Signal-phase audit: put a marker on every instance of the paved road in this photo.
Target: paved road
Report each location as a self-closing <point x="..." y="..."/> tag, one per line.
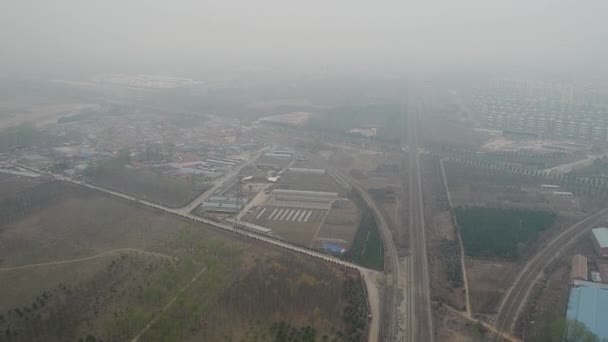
<point x="515" y="297"/>
<point x="421" y="317"/>
<point x="579" y="164"/>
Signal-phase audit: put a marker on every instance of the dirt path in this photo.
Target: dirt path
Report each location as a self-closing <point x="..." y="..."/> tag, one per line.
<point x="101" y="255"/>
<point x="462" y="260"/>
<point x="373" y="281"/>
<point x="484" y="324"/>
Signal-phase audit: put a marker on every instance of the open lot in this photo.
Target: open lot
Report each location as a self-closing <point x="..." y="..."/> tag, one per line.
<point x="349" y="159"/>
<point x="488" y="279"/>
<point x="454" y="328"/>
<point x="81" y="265"/>
<point x="148" y="185"/>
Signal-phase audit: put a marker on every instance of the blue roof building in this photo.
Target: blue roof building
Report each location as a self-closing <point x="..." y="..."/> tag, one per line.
<point x="588" y="304"/>
<point x="333" y="248"/>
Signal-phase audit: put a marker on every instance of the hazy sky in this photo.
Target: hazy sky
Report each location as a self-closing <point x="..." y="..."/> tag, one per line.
<point x="150" y="34"/>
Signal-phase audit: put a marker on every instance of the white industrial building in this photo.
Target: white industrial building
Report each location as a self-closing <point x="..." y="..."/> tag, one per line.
<point x="303" y="199"/>
<point x="600" y="241"/>
<point x="222" y="204"/>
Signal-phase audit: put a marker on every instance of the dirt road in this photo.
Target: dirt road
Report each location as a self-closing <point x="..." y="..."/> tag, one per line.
<point x="92" y="257"/>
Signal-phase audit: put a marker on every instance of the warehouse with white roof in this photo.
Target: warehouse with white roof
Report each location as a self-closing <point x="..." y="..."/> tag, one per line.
<point x="600" y="241"/>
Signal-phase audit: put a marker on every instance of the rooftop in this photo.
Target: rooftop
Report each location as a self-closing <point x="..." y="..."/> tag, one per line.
<point x="333" y="248"/>
<point x="588" y="304"/>
<point x="601" y="235"/>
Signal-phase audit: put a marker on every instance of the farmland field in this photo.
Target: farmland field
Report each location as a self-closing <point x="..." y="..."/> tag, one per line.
<point x="497" y="232"/>
<point x="79" y="265"/>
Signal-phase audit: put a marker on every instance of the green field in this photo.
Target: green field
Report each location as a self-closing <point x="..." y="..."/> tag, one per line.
<point x="500" y="232"/>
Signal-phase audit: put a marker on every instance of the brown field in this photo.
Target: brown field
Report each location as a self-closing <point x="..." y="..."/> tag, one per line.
<point x="356" y="159"/>
<point x="454" y="328"/>
<point x="487" y="282"/>
<point x="84" y="264"/>
<point x="148" y="185"/>
<point x="12" y="185"/>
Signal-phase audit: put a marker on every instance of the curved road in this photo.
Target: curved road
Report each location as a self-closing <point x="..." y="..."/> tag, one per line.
<point x="518" y="292"/>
